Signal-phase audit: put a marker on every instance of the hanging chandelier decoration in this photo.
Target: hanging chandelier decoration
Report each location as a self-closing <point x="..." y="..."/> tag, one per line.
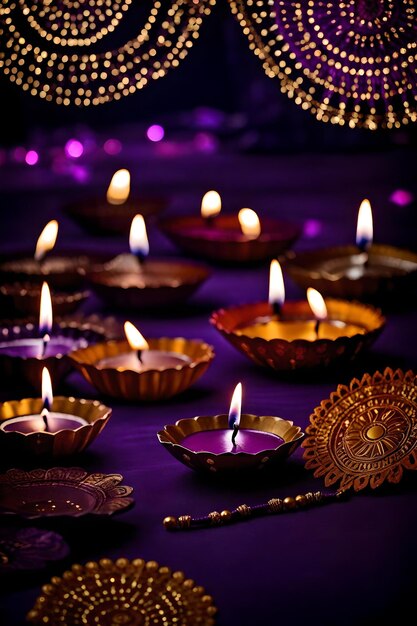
<point x="352" y="62"/>
<point x="67" y="51"/>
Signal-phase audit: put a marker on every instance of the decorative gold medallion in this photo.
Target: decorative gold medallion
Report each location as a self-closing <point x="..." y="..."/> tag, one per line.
<point x="366" y="432"/>
<point x="132" y="593"/>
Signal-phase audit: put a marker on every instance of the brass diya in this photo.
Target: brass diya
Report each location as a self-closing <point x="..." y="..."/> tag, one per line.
<point x="27" y="368"/>
<point x="23" y="299"/>
<point x="363" y="435"/>
<point x="388" y="275"/>
<point x="18" y="445"/>
<point x="62" y="492"/>
<point x="172" y="438"/>
<point x="244" y="327"/>
<point x="99" y="217"/>
<point x="135" y="593"/>
<point x="149" y="384"/>
<point x="225" y="243"/>
<point x="124" y="284"/>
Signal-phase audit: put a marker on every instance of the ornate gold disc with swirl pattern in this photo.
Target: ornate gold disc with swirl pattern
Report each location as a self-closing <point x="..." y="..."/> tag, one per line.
<point x="366" y="432"/>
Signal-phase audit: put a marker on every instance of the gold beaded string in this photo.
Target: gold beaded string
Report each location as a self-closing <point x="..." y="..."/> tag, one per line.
<point x="92" y="79"/>
<point x="355" y="86"/>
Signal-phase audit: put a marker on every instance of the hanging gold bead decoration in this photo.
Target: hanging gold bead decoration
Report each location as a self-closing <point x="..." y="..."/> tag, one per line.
<point x="55" y="49"/>
<point x="352" y="62"/>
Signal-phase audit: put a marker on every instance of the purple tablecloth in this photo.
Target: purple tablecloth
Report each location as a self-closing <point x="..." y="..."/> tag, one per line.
<point x="347" y="564"/>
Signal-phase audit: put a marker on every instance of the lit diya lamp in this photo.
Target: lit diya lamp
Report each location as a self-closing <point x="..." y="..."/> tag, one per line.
<point x="136" y="281"/>
<point x="49" y="426"/>
<point x="230" y="442"/>
<point x="140" y="369"/>
<point x="113" y="213"/>
<point x="241" y="238"/>
<point x="301" y="335"/>
<point x="63" y="272"/>
<point x="365" y="271"/>
<point x="26" y="348"/>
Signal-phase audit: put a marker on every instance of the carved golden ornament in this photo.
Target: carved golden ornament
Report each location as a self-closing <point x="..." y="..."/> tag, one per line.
<point x="366" y="432"/>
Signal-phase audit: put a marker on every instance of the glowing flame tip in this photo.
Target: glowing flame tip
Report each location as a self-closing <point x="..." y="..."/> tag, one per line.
<point x="276" y="284"/>
<point x="47" y="395"/>
<point x="364" y="229"/>
<point x="249" y="223"/>
<point x="235" y="406"/>
<point x="45" y="313"/>
<point x="138" y="238"/>
<point x="135" y="339"/>
<point x="211" y="204"/>
<point x="46" y="240"/>
<point x="317" y="303"/>
<point x="119" y="188"/>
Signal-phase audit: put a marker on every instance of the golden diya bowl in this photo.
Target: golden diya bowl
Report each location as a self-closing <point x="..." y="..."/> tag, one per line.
<point x="224" y="241"/>
<point x="20" y="346"/>
<point x="134" y="593"/>
<point x="339" y="272"/>
<point x="20" y="445"/>
<point x="286" y="440"/>
<point x="99" y="217"/>
<point x="351" y="327"/>
<point x="157" y="283"/>
<point x="151" y="384"/>
<point x="24" y="299"/>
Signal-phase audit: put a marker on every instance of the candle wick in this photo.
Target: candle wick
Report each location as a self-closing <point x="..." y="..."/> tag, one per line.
<point x="44" y="416"/>
<point x="139" y="353"/>
<point x="210" y="219"/>
<point x="234" y="434"/>
<point x="277" y="308"/>
<point x="141" y="257"/>
<point x="45" y="340"/>
<point x="317" y="328"/>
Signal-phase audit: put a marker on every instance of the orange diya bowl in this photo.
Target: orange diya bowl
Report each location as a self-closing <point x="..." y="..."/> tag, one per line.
<point x="99" y="365"/>
<point x="274" y="343"/>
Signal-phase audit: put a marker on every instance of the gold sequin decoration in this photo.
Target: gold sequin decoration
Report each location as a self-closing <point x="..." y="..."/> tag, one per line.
<point x="350" y="63"/>
<point x="46" y="47"/>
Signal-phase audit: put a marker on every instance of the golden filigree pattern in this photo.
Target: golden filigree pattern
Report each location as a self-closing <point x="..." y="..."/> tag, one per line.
<point x="45" y="47"/>
<point x="366" y="432"/>
<point x="350" y="62"/>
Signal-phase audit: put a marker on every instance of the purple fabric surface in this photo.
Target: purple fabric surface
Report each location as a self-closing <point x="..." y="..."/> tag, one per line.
<point x="345" y="564"/>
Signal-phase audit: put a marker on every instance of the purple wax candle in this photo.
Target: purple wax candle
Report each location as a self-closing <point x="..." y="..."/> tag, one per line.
<point x="32" y="347"/>
<point x="219" y="441"/>
<point x="27" y="424"/>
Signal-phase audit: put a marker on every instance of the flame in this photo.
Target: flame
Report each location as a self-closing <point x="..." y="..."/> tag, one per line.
<point x="235" y="406"/>
<point x="46" y="240"/>
<point x="276" y="284"/>
<point x="119" y="188"/>
<point x="249" y="223"/>
<point x="45" y="313"/>
<point x="211" y="204"/>
<point x="47" y="395"/>
<point x="364" y="229"/>
<point x="317" y="303"/>
<point x="138" y="239"/>
<point x="136" y="340"/>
